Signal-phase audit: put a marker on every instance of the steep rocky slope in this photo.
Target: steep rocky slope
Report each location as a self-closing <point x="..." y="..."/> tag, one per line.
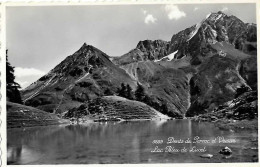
<point x="216" y="27"/>
<point x="217" y="56"/>
<point x="196" y="41"/>
<point x="163" y="85"/>
<point x="85" y="75"/>
<point x="239" y="113"/>
<point x="215" y="82"/>
<point x="248" y="70"/>
<point x="145" y="50"/>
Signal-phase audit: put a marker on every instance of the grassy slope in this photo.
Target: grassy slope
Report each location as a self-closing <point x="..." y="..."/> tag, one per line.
<point x="117" y="107"/>
<point x="129" y="109"/>
<point x="162" y="84"/>
<point x="230" y="50"/>
<point x="24" y="116"/>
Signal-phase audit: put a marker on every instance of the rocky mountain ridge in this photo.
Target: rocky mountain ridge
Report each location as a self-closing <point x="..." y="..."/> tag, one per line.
<point x="85" y="75"/>
<point x="197" y="40"/>
<point x="145" y="50"/>
<point x="198" y="70"/>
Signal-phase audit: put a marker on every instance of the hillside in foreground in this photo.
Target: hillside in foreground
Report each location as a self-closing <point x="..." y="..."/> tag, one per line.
<point x="24" y="116"/>
<point x="116" y="108"/>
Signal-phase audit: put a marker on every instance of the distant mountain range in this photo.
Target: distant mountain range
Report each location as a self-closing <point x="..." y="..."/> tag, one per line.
<point x="198" y="70"/>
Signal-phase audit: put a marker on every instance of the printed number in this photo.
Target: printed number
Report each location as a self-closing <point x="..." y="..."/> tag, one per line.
<point x="157" y="141"/>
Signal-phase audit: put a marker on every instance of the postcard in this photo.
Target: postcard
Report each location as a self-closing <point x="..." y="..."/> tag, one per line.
<point x="129" y="83"/>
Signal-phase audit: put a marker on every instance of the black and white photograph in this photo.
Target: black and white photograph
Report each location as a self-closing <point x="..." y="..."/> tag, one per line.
<point x="158" y="83"/>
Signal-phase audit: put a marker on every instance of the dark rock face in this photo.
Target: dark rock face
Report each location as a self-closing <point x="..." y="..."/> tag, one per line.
<point x="211" y="87"/>
<point x="145" y="50"/>
<point x="248" y="70"/>
<point x="243" y="107"/>
<point x="217" y="27"/>
<point x="153" y="49"/>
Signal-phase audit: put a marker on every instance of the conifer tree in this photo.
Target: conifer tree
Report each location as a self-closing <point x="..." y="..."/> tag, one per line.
<point x="139" y="92"/>
<point x="122" y="91"/>
<point x="129" y="92"/>
<point x="12" y="88"/>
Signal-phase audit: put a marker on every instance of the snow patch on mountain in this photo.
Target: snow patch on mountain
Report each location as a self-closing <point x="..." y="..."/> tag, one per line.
<point x="170" y="57"/>
<point x="195" y="31"/>
<point x="214" y="32"/>
<point x="198" y="25"/>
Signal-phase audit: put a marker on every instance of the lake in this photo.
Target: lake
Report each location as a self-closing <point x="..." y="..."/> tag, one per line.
<point x="129" y="142"/>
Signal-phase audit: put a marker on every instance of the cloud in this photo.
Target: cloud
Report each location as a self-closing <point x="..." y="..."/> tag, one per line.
<point x="195" y="9"/>
<point x="144" y="11"/>
<point x="224" y="9"/>
<point x="25" y="72"/>
<point x="149" y="19"/>
<point x="174" y="12"/>
<point x="23" y="84"/>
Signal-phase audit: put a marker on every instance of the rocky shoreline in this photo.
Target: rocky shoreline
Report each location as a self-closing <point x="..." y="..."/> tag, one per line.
<point x="237" y="114"/>
<point x="230" y="124"/>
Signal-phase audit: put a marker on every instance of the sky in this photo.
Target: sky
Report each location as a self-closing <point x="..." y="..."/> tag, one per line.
<point x="39" y="37"/>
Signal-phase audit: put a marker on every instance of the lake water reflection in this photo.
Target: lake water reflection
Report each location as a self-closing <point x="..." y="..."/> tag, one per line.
<point x="124" y="142"/>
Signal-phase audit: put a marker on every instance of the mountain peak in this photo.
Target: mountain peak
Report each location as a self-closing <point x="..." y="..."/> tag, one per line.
<point x="84" y="44"/>
<point x="144" y="42"/>
<point x="215" y="16"/>
<point x="148" y="44"/>
<point x="220" y="12"/>
<point x="85" y="47"/>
